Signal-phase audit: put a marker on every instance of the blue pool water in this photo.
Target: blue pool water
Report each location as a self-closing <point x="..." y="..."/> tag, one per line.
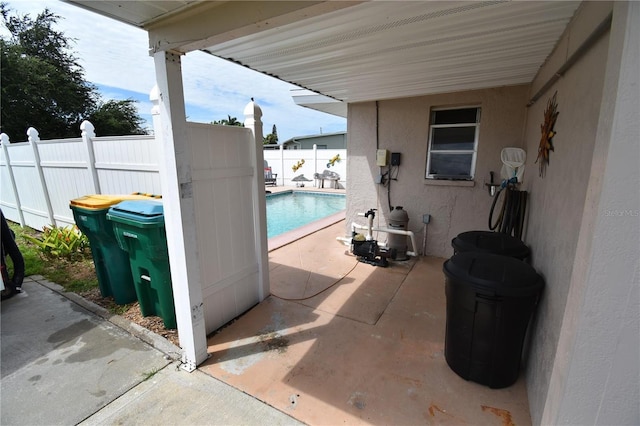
<point x="287" y="211"/>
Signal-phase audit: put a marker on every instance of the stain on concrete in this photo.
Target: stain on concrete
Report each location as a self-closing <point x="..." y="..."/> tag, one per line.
<point x="84" y="341"/>
<point x="35" y="378"/>
<point x="99" y="394"/>
<point x="244" y="353"/>
<point x="70" y="333"/>
<point x="41" y="361"/>
<point x="434" y="409"/>
<point x="274" y="342"/>
<point x="293" y="400"/>
<point x="358" y="400"/>
<point x="504" y="415"/>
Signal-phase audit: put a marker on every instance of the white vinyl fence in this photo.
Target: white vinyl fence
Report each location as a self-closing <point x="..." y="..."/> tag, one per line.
<point x="282" y="161"/>
<point x="39" y="178"/>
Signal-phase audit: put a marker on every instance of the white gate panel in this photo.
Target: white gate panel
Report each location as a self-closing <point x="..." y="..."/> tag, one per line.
<point x="222" y="176"/>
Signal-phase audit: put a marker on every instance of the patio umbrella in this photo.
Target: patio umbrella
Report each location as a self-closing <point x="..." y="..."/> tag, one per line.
<point x="300" y="179"/>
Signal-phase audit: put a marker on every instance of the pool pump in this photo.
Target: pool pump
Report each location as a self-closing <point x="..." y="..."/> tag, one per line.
<point x="368" y="251"/>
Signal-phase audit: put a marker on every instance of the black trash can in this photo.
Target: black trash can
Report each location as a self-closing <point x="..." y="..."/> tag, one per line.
<point x="490" y="301"/>
<point x="490" y="242"/>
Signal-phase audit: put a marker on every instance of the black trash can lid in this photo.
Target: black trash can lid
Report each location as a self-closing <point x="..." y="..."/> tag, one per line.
<point x="491" y="242"/>
<point x="493" y="274"/>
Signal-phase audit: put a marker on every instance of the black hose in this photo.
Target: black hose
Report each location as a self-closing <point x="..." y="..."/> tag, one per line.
<point x="512" y="213"/>
<point x="524" y="212"/>
<point x="493" y="205"/>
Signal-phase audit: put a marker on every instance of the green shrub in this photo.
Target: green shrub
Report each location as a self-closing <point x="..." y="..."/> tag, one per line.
<point x="56" y="242"/>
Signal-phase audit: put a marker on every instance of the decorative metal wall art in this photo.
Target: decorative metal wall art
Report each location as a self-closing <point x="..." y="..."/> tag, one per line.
<point x="546" y="143"/>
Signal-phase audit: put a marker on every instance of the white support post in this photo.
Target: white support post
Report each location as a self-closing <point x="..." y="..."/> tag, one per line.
<point x="315" y="164"/>
<point x="4" y="138"/>
<point x="34" y="138"/>
<point x="88" y="133"/>
<point x="282" y="163"/>
<point x="253" y="121"/>
<point x="170" y="128"/>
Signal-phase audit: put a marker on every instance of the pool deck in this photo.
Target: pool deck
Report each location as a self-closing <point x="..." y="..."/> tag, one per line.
<point x="291" y="236"/>
<point x="311" y="188"/>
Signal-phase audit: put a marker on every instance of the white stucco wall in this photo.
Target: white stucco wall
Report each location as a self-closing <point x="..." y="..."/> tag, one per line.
<point x="595" y="374"/>
<point x="403" y="126"/>
<point x="557" y="201"/>
<point x="560" y="196"/>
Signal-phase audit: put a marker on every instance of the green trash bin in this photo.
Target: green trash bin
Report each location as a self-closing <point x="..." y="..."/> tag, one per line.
<point x="111" y="262"/>
<point x="139" y="229"/>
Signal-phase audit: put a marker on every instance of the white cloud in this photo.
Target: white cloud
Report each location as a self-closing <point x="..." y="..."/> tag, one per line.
<point x="115" y="54"/>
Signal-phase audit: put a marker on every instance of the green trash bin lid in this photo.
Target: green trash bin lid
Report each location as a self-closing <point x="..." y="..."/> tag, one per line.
<point x="138" y="212"/>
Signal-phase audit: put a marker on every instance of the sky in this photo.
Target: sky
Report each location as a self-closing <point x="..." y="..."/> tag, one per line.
<point x="115" y="58"/>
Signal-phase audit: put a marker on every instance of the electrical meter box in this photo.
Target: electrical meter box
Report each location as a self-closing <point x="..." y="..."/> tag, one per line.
<point x="382" y="157"/>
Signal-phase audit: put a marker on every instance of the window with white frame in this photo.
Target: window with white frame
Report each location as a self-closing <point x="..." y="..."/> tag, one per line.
<point x="453" y="143"/>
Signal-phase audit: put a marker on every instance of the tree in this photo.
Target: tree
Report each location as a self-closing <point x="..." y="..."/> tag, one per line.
<point x="272" y="138"/>
<point x="229" y="121"/>
<point x="42" y="83"/>
<point x="116" y="118"/>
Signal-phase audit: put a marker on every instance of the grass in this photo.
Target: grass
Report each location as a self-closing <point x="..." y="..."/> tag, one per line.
<point x="149" y="374"/>
<point x="78" y="276"/>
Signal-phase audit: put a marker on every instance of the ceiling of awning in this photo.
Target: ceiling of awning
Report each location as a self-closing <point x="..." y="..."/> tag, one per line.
<point x="355" y="51"/>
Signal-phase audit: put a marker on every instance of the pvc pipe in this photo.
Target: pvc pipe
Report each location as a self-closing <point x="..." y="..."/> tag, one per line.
<point x="400" y="232"/>
<point x="410" y="234"/>
<point x="410" y="253"/>
<point x="346" y="241"/>
<point x="370" y="228"/>
<point x="424" y="241"/>
<point x="355" y="226"/>
<point x="368" y="237"/>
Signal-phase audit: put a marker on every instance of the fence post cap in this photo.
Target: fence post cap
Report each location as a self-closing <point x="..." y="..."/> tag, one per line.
<point x="88" y="129"/>
<point x="252" y="110"/>
<point x="33" y="134"/>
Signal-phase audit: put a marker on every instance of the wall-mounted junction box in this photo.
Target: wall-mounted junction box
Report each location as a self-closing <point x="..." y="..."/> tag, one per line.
<point x="426" y="218"/>
<point x="395" y="158"/>
<point x="382" y="157"/>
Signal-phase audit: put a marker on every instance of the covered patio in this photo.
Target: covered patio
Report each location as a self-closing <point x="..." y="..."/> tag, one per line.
<point x="344" y="342"/>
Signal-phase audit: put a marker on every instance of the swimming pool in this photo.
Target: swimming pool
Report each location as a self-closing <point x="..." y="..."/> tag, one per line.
<point x="289" y="210"/>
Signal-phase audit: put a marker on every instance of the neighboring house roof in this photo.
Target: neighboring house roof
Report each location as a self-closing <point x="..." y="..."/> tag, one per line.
<point x="360" y="51"/>
<point x="321" y="135"/>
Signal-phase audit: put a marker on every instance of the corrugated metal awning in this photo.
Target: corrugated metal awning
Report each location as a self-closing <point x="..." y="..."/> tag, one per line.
<point x="353" y="51"/>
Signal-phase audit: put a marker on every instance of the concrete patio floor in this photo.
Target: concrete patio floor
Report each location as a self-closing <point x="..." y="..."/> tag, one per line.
<point x="343" y="342"/>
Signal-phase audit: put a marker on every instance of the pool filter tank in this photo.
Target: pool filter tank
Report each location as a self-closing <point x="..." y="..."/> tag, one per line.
<point x="398" y="219"/>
